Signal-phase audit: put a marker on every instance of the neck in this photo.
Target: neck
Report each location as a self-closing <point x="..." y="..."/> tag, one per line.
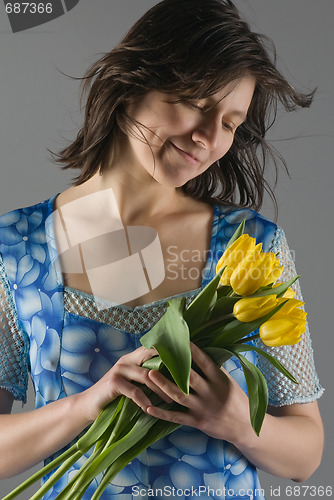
<point x="137" y="195"/>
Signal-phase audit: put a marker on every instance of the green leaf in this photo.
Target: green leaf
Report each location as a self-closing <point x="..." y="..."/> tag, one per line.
<point x="170" y="337"/>
<point x="257" y="392"/>
<point x="207" y="333"/>
<point x="223" y="306"/>
<point x="197" y="311"/>
<point x="153" y="363"/>
<point x="218" y="354"/>
<point x="237" y="233"/>
<point x="279" y="290"/>
<point x="258" y="411"/>
<point x="140" y="428"/>
<point x="256" y="383"/>
<point x="224" y="291"/>
<point x="236" y="348"/>
<point x="158" y="431"/>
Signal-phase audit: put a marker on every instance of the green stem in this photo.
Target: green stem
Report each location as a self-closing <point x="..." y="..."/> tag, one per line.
<point x="248" y="339"/>
<point x="159" y="430"/>
<point x="120" y="426"/>
<point x="56" y="476"/>
<point x="101" y="441"/>
<point x="100" y="425"/>
<point x="94" y="433"/>
<point x="110" y="454"/>
<point x="129" y="412"/>
<point x="70" y="456"/>
<point x="67" y="492"/>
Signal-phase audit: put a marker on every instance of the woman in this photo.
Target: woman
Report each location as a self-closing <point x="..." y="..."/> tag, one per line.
<point x="174" y="141"/>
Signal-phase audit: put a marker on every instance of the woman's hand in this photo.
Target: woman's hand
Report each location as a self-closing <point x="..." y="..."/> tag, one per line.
<point x="121" y="379"/>
<point x="216" y="403"/>
<point x="291" y="438"/>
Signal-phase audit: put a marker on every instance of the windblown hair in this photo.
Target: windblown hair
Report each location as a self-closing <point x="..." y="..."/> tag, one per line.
<point x="190" y="50"/>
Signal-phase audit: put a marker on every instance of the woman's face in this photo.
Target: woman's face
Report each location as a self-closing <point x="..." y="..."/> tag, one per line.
<point x="186" y="138"/>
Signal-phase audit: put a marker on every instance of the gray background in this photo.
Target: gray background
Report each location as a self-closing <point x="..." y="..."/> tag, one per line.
<point x="39" y="107"/>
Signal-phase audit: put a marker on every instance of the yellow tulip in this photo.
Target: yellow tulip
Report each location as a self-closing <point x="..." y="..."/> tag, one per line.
<point x="286" y="326"/>
<point x="255" y="270"/>
<point x="236" y="252"/>
<point x="233" y="255"/>
<point x="252" y="308"/>
<point x="276" y="269"/>
<point x="290" y="309"/>
<point x="277" y="332"/>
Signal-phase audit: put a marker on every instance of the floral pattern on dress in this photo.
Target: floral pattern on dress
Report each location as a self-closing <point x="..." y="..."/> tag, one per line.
<point x="39" y="309"/>
<point x="69" y="353"/>
<point x="89" y="349"/>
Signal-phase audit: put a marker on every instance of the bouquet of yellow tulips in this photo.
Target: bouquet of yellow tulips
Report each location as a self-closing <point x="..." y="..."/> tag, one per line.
<point x="223" y="319"/>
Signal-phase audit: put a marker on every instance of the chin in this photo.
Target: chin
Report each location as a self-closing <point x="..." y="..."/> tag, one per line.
<point x="176" y="181"/>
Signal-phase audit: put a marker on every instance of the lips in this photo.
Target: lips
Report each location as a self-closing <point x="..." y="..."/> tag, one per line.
<point x="188" y="156"/>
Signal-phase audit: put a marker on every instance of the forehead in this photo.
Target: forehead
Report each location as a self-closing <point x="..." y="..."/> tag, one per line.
<point x="239" y="87"/>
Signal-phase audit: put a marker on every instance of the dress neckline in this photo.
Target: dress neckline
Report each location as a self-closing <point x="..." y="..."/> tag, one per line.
<point x="111" y="305"/>
<point x="208" y="270"/>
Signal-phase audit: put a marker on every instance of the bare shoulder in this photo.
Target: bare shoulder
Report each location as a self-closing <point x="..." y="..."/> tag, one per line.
<point x="73" y="193"/>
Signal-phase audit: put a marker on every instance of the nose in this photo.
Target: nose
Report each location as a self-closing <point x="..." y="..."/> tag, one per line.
<point x="207" y="133"/>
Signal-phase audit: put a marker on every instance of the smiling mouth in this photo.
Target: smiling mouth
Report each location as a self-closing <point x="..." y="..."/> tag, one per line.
<point x="187" y="156"/>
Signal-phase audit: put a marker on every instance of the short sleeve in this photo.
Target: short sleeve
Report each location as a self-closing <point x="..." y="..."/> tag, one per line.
<point x="14" y="344"/>
<point x="298" y="358"/>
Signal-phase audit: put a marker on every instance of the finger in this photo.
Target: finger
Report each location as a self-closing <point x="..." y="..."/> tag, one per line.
<point x="133" y="373"/>
<point x="204" y="362"/>
<point x="197" y="382"/>
<point x="135" y="393"/>
<point x="177" y="417"/>
<point x="170" y="389"/>
<point x="151" y="385"/>
<point x="140" y="355"/>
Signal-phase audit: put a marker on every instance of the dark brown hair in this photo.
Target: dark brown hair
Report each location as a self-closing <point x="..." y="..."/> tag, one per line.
<point x="190" y="50"/>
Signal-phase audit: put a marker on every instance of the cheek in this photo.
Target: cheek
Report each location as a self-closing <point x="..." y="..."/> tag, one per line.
<point x="225" y="146"/>
<point x="178" y="121"/>
<point x="229" y="144"/>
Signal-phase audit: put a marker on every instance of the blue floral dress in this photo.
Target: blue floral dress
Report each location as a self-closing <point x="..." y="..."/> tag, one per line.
<point x="55" y="333"/>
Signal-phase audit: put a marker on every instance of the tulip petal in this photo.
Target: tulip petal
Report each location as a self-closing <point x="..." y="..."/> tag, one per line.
<point x="277" y="332"/>
<point x="252" y="308"/>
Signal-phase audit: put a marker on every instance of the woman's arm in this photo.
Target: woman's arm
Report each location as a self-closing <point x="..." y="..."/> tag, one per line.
<point x="30" y="437"/>
<point x="291" y="439"/>
<point x="295" y="432"/>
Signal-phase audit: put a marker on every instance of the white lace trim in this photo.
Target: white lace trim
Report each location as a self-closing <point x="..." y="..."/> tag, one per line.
<point x="14" y="344"/>
<point x="136" y="321"/>
<point x="298" y="359"/>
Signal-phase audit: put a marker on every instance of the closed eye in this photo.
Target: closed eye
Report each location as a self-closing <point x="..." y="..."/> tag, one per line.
<point x="229" y="126"/>
<point x="200" y="106"/>
<point x="196" y="105"/>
